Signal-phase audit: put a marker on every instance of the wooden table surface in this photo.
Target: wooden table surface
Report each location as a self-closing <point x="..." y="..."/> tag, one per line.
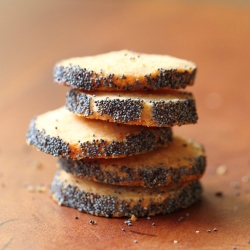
<point x="36" y="34"/>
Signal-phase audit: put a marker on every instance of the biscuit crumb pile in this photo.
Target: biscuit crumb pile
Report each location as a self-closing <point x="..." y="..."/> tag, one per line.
<point x="113" y="139"/>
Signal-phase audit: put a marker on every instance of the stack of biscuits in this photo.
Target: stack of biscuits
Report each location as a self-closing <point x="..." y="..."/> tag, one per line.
<point x="113" y="139"/>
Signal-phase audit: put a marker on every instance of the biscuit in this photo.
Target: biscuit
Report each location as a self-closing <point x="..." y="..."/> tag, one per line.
<point x="116" y="201"/>
<point x="182" y="161"/>
<point x="125" y="70"/>
<point x="66" y="135"/>
<point x="154" y="109"/>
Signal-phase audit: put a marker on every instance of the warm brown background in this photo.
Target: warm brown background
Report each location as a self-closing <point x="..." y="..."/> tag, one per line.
<point x="215" y="35"/>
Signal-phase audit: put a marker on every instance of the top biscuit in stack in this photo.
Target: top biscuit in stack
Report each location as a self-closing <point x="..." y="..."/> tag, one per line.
<point x="125" y="70"/>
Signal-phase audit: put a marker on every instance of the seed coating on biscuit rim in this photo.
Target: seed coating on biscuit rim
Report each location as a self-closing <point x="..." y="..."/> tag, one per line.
<point x="74" y="137"/>
<point x="174" y="112"/>
<point x="158" y="109"/>
<point x="132" y="144"/>
<point x="146" y="176"/>
<point x="50" y="145"/>
<point x="112" y="201"/>
<point x="121" y="110"/>
<point x="161" y="167"/>
<point x="130" y="71"/>
<point x="75" y="100"/>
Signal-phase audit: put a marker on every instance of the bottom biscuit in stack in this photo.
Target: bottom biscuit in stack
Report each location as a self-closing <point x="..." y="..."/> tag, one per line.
<point x="158" y="182"/>
<point x="117" y="201"/>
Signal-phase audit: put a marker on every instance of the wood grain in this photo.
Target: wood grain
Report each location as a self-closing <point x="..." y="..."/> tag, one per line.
<point x="34" y="36"/>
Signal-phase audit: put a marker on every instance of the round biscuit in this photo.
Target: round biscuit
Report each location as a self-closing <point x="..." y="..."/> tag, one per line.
<point x="182" y="161"/>
<point x="125" y="70"/>
<point x="115" y="201"/>
<point x="63" y="134"/>
<point x="154" y="109"/>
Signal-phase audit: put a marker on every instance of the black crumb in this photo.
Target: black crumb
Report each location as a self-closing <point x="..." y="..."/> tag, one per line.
<point x="128" y="222"/>
<point x="180" y="219"/>
<point x="76" y="218"/>
<point x="219" y="194"/>
<point x="92" y="222"/>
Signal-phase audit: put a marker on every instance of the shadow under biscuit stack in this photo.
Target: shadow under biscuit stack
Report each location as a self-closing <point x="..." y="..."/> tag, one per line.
<point x="113" y="140"/>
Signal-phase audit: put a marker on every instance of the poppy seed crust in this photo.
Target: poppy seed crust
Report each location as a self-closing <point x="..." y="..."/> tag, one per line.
<point x="72" y="137"/>
<point x="174" y="112"/>
<point x="161" y="167"/>
<point x="48" y="144"/>
<point x="116" y="71"/>
<point x="112" y="201"/>
<point x="158" y="109"/>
